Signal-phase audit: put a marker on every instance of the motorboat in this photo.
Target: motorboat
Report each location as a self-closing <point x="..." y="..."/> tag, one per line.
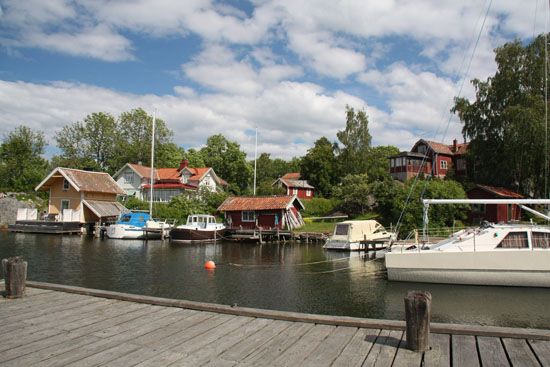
<point x="354" y="235"/>
<point x="198" y="228"/>
<point x="137" y="225"/>
<point x="510" y="254"/>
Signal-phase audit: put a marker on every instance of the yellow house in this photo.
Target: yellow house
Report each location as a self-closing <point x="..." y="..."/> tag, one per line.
<point x="81" y="196"/>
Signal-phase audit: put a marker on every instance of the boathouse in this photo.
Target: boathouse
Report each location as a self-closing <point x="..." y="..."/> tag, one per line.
<point x="293" y="185"/>
<point x="81" y="196"/>
<point x="267" y="212"/>
<point x="495" y="213"/>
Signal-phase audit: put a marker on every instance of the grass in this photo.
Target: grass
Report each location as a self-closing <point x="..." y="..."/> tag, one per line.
<point x="318" y="227"/>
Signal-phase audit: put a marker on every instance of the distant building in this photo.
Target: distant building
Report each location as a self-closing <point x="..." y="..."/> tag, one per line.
<point x="494" y="213"/>
<point x="81" y="196"/>
<point x="266" y="212"/>
<point x="430" y="159"/>
<point x="293" y="185"/>
<point x="135" y="180"/>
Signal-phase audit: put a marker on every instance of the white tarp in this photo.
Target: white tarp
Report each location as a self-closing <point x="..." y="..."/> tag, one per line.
<point x="26" y="214"/>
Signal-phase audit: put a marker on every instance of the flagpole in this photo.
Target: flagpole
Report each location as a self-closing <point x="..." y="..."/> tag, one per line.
<point x="255" y="157"/>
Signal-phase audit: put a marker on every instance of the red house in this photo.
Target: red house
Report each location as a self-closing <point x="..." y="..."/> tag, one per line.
<point x="267" y="212"/>
<point x="429" y="158"/>
<point x="294" y="186"/>
<point x="495" y="213"/>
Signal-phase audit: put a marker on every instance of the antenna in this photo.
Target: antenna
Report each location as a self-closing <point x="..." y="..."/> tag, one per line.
<point x="255" y="156"/>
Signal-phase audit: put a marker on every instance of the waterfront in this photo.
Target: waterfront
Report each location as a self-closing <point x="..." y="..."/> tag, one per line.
<point x="290" y="277"/>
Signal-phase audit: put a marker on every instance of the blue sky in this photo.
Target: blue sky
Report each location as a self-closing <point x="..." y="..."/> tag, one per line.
<point x="288" y="68"/>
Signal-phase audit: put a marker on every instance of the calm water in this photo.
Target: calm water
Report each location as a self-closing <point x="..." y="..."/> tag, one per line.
<point x="297" y="277"/>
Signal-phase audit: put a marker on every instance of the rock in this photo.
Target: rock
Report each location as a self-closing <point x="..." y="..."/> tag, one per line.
<point x="8" y="209"/>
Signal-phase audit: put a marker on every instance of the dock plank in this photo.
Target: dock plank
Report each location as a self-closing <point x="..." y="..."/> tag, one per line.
<point x="519" y="352"/>
<point x="491" y="351"/>
<point x="439" y="354"/>
<point x="330" y="348"/>
<point x="406" y="357"/>
<point x="464" y="351"/>
<point x="357" y="349"/>
<point x="542" y="350"/>
<point x="385" y="348"/>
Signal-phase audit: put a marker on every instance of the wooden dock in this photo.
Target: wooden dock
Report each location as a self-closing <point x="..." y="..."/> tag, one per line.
<point x="57" y="325"/>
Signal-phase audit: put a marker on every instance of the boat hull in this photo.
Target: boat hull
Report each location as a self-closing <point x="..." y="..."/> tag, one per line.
<point x="354" y="246"/>
<point x="507" y="267"/>
<point x="195" y="235"/>
<point x="130" y="233"/>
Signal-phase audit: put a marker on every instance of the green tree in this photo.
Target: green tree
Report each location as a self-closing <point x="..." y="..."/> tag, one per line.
<point x="228" y="161"/>
<point x="355" y="142"/>
<point x="318" y="167"/>
<point x="377" y="162"/>
<point x="505" y="123"/>
<point x="87" y="144"/>
<point x="133" y="140"/>
<point x="194" y="157"/>
<point x="355" y="195"/>
<point x="21" y="164"/>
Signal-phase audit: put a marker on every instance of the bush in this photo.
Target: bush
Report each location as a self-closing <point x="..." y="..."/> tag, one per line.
<point x="319" y="207"/>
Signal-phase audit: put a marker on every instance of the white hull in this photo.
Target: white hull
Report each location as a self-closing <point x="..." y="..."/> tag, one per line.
<point x="505" y="267"/>
<point x="350" y="246"/>
<point x="125" y="232"/>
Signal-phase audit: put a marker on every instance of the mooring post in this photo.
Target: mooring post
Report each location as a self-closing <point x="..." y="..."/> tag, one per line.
<point x="15" y="276"/>
<point x="418" y="306"/>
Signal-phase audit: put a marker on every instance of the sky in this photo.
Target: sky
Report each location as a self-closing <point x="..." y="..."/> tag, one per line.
<point x="286" y="68"/>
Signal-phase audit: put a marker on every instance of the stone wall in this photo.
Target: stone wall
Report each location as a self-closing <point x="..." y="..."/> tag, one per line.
<point x="8" y="209"/>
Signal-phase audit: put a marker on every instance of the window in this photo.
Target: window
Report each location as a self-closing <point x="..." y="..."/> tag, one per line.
<point x="248" y="216"/>
<point x="478" y="208"/>
<point x="392" y="162"/>
<point x="422" y="149"/>
<point x="341" y="230"/>
<point x="128" y="177"/>
<point x="308" y="192"/>
<point x="541" y="240"/>
<point x="65" y="204"/>
<point x="443" y="164"/>
<point x="461" y="164"/>
<point x="295" y="191"/>
<point x="65" y="184"/>
<point x="514" y="240"/>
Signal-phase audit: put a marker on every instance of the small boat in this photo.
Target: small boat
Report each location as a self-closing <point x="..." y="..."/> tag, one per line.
<point x="492" y="254"/>
<point x="136" y="225"/>
<point x="354" y="235"/>
<point x="199" y="228"/>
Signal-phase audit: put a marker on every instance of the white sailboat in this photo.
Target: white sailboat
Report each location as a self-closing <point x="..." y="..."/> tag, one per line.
<point x="492" y="254"/>
<point x="138" y="225"/>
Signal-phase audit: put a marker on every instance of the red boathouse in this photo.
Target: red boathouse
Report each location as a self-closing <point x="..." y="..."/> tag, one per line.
<point x="495" y="213"/>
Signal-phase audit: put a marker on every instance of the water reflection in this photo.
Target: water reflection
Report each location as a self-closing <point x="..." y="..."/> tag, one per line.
<point x="292" y="277"/>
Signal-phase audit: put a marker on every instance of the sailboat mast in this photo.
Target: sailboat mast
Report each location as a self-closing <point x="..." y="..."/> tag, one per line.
<point x="255" y="158"/>
<point x="152" y="164"/>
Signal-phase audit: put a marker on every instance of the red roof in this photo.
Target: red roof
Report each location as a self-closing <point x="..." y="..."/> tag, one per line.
<point x="291" y="176"/>
<point x="170" y="186"/>
<point x="501" y="191"/>
<point x="241" y="203"/>
<point x="441" y="148"/>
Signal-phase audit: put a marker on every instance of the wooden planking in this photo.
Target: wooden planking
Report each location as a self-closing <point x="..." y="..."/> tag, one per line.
<point x="248" y="345"/>
<point x="406" y="357"/>
<point x="491" y="351"/>
<point x="331" y="347"/>
<point x="300" y="350"/>
<point x="268" y="352"/>
<point x="439" y="354"/>
<point x="464" y="351"/>
<point x="165" y="359"/>
<point x="385" y="348"/>
<point x="519" y="352"/>
<point x="542" y="350"/>
<point x="357" y="349"/>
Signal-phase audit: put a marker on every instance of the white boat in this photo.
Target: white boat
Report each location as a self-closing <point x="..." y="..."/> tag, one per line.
<point x="137" y="225"/>
<point x="198" y="228"/>
<point x="354" y="235"/>
<point x="492" y="254"/>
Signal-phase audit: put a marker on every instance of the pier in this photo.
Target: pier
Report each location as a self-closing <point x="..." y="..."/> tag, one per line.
<point x="58" y="325"/>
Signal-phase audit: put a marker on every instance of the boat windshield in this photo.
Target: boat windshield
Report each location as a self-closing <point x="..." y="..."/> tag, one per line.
<point x="125" y="218"/>
<point x="341" y="230"/>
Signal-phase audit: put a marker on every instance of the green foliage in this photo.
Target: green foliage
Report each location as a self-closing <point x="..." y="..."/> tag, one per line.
<point x="212" y="200"/>
<point x="377" y="162"/>
<point x="21" y="164"/>
<point x="266" y="188"/>
<point x="228" y="161"/>
<point x="355" y="195"/>
<point x="506" y="121"/>
<point x="194" y="157"/>
<point x="319" y="207"/>
<point x="355" y="140"/>
<point x="319" y="167"/>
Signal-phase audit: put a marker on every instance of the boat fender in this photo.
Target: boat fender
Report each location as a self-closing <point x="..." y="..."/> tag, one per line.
<point x="495" y="235"/>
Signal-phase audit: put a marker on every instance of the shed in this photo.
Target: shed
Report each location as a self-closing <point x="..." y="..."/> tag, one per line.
<point x="267" y="212"/>
<point x="495" y="213"/>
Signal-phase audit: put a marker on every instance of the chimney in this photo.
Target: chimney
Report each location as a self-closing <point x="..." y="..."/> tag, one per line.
<point x="184" y="163"/>
<point x="454" y="146"/>
<point x="139" y="162"/>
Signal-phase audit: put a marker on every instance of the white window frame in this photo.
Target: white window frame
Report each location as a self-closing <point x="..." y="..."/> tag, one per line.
<point x="443" y="164"/>
<point x="66" y="185"/>
<point x="308" y="192"/>
<point x="247" y="218"/>
<point x="294" y="191"/>
<point x="61" y="206"/>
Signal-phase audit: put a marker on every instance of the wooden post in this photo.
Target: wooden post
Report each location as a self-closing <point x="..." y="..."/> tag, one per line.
<point x="15" y="276"/>
<point x="418" y="306"/>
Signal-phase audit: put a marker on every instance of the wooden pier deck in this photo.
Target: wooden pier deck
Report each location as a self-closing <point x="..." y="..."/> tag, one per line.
<point x="70" y="326"/>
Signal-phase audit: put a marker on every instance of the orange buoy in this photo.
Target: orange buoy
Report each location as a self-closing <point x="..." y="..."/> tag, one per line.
<point x="210" y="265"/>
